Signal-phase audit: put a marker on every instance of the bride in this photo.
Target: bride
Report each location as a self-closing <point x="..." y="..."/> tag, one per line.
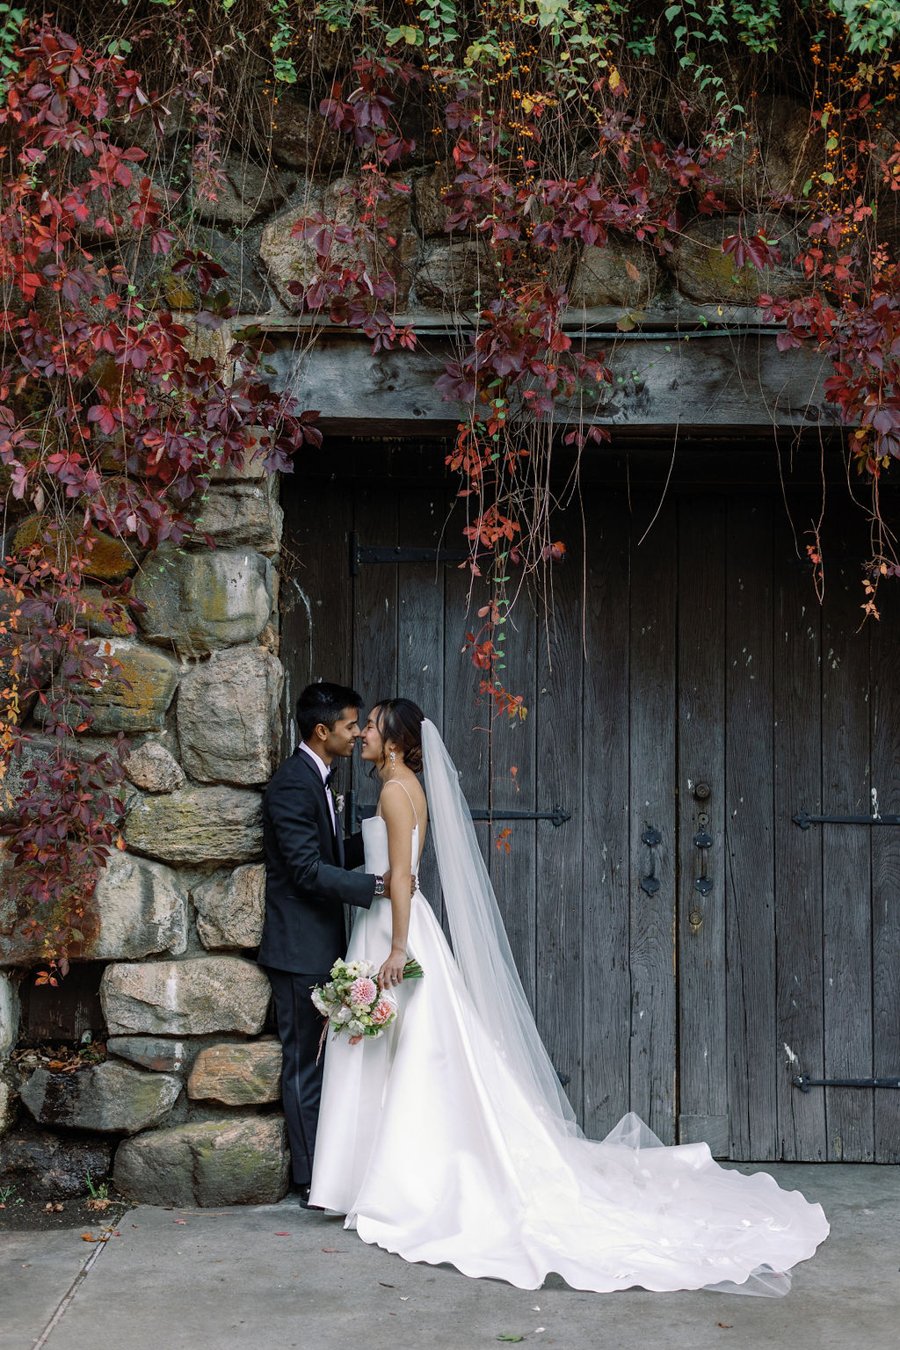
<point x="449" y="1138"/>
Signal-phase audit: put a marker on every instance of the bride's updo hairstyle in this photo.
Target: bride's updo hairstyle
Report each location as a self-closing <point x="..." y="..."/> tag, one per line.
<point x="400" y="720"/>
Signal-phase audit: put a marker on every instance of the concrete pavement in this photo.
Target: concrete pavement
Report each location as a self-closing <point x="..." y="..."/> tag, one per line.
<point x="251" y="1278"/>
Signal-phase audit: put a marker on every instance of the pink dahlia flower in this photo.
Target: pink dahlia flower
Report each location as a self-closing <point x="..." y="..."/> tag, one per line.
<point x="363" y="992"/>
<point x="383" y="1012"/>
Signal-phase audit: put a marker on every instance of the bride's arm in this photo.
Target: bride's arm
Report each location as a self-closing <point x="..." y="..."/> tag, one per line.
<point x="398" y="817"/>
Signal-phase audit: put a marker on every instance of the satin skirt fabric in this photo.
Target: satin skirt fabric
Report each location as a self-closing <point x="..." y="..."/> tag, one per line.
<point x="432" y="1151"/>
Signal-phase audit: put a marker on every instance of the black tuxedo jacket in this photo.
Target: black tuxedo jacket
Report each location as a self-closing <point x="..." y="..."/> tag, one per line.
<point x="307" y="876"/>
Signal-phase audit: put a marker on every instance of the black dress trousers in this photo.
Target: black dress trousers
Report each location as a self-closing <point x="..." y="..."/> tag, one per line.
<point x="299" y="1030"/>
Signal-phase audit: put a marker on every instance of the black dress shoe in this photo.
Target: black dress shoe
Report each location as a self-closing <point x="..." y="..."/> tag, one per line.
<point x="302" y="1194"/>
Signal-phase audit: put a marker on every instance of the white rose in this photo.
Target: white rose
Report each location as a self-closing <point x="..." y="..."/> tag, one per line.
<point x="355" y="1028"/>
<point x="342" y="1016"/>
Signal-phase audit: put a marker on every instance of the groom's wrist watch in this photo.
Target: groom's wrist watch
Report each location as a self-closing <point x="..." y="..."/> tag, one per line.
<point x="379" y="886"/>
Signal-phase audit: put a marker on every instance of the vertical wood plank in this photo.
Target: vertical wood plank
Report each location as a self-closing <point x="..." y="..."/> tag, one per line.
<point x="375" y="612"/>
<point x="513" y="747"/>
<point x="846" y="856"/>
<point x="560" y="741"/>
<point x="316" y="628"/>
<point x="885" y="656"/>
<point x="420" y="619"/>
<point x="653" y="786"/>
<point x="703" y="1069"/>
<point x="605" y="805"/>
<point x="798" y="853"/>
<point x="750" y="897"/>
<point x="467" y="719"/>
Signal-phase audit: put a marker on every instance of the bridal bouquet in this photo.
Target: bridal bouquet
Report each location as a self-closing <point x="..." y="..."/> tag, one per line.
<point x="352" y="1003"/>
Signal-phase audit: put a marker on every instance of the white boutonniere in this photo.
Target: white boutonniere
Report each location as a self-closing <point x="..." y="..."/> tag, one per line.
<point x="338" y="799"/>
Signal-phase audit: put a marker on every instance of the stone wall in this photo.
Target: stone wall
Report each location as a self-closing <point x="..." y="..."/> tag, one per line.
<point x="184" y="1108"/>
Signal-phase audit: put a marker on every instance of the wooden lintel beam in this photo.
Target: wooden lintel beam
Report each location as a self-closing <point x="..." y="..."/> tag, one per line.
<point x="694" y="382"/>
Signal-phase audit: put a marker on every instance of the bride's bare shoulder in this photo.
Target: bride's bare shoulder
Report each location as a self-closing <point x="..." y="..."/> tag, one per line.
<point x="408" y="802"/>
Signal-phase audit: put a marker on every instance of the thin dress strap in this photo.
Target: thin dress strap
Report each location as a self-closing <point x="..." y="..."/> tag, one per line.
<point x="396" y="782"/>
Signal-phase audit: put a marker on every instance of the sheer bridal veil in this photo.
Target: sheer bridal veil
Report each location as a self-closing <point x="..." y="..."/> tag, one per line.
<point x="480" y="943"/>
<point x="486" y="963"/>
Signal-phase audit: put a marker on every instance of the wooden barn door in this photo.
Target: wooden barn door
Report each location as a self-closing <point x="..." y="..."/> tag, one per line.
<point x="689" y="950"/>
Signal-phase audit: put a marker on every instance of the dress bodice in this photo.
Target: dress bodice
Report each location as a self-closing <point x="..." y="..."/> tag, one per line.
<point x="375" y="843"/>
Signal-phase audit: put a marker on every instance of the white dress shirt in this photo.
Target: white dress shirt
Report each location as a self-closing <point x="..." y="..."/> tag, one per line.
<point x="324" y="770"/>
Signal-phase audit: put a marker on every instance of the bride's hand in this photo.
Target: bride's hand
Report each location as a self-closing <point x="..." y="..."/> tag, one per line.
<point x="391" y="973"/>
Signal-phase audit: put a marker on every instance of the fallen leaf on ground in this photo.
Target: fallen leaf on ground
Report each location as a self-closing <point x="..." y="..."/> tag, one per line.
<point x="386" y="1286"/>
<point x="282" y="1235"/>
<point x="179" y="1220"/>
<point x="726" y="1326"/>
<point x="96" y="1204"/>
<point x="509" y="1336"/>
<point x="332" y="1251"/>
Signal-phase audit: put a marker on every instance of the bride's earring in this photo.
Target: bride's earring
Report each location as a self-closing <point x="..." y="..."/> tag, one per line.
<point x="393" y="758"/>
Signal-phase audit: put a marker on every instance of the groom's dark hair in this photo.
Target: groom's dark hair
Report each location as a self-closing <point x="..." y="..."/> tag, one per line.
<point x="323" y="702"/>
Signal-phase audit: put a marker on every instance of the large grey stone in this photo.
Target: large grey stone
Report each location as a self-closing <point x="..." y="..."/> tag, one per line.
<point x="185" y="998"/>
<point x="456" y="277"/>
<point x="290" y="258"/>
<point x="141" y="910"/>
<point x="243" y="513"/>
<point x="162" y="1054"/>
<point x="251" y="465"/>
<point x="781" y="149"/>
<point x="110" y="1097"/>
<point x="231" y="907"/>
<point x="136" y="694"/>
<point x="9" y="1014"/>
<point x="244" y="1074"/>
<point x="620" y="273"/>
<point x="53" y="1165"/>
<point x="154" y="768"/>
<point x="237" y="1161"/>
<point x="199" y="602"/>
<point x="248" y="190"/>
<point x="196" y="825"/>
<point x="302" y="138"/>
<point x="705" y="273"/>
<point x="428" y="195"/>
<point x="228" y="716"/>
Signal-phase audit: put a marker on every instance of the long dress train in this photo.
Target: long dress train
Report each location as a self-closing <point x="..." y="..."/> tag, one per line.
<point x="434" y="1150"/>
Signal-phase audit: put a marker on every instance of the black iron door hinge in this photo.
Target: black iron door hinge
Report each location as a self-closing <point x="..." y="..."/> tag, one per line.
<point x="804" y="1082"/>
<point x="556" y="817"/>
<point x="399" y="553"/>
<point x="804" y="820"/>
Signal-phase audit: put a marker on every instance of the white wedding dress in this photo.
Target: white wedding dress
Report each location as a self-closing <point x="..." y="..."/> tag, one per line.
<point x="434" y="1149"/>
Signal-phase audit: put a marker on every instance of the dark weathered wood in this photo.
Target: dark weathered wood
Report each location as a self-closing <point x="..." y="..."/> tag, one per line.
<point x="652" y="720"/>
<point x="885" y="844"/>
<point x="515" y="787"/>
<point x="467" y="718"/>
<point x="846" y="859"/>
<point x="750" y="895"/>
<point x="375" y="635"/>
<point x="315" y="601"/>
<point x="702" y="1060"/>
<point x="61" y="1016"/>
<point x="693" y="381"/>
<point x="560" y="737"/>
<point x="606" y="781"/>
<point x="421" y="621"/>
<point x="798" y="853"/>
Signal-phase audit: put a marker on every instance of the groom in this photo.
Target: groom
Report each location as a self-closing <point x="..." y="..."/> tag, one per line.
<point x="307" y="885"/>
